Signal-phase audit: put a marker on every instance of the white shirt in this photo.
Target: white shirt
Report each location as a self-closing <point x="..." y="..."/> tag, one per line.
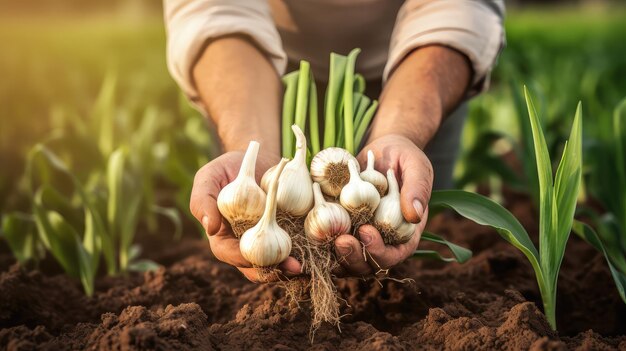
<point x="385" y="30"/>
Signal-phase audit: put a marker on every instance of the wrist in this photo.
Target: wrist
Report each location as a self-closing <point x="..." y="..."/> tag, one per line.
<point x="417" y="123"/>
<point x="236" y="132"/>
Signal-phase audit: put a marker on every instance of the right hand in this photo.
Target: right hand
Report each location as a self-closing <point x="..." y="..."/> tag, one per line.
<point x="208" y="182"/>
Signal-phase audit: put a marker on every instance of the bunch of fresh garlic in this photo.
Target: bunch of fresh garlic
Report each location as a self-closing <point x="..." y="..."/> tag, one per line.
<point x="354" y="199"/>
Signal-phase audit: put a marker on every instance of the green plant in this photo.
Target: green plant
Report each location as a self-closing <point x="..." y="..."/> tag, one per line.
<point x="87" y="199"/>
<point x="347" y="111"/>
<point x="557" y="202"/>
<point x="607" y="183"/>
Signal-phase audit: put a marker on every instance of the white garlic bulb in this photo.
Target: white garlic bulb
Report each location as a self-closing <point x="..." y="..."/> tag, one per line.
<point x="242" y="201"/>
<point x="359" y="197"/>
<point x="295" y="194"/>
<point x="266" y="244"/>
<point x="329" y="168"/>
<point x="388" y="217"/>
<point x="326" y="220"/>
<point x="404" y="233"/>
<point x="373" y="176"/>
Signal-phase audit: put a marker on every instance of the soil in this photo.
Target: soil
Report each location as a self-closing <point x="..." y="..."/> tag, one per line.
<point x="197" y="303"/>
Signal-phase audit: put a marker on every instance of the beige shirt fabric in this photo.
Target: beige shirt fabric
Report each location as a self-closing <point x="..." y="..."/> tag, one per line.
<point x="291" y="30"/>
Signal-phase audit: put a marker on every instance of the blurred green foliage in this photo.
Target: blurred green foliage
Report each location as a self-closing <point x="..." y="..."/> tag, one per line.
<point x="96" y="141"/>
<point x="564" y="55"/>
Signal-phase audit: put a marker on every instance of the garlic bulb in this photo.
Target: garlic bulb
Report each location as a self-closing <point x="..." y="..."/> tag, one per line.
<point x="388" y="217"/>
<point x="295" y="194"/>
<point x="242" y="201"/>
<point x="359" y="197"/>
<point x="326" y="220"/>
<point x="266" y="244"/>
<point x="373" y="176"/>
<point x="404" y="232"/>
<point x="329" y="168"/>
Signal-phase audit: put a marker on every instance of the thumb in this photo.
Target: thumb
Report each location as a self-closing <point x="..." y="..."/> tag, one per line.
<point x="203" y="201"/>
<point x="417" y="182"/>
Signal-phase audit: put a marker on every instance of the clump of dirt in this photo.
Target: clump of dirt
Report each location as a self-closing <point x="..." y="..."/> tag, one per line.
<point x="197" y="303"/>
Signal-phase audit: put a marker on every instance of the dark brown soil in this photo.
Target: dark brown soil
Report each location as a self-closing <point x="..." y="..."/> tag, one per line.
<point x="197" y="303"/>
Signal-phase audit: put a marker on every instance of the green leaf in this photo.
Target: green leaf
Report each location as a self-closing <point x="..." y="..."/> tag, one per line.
<point x="314" y="131"/>
<point x="289" y="110"/>
<point x="619" y="138"/>
<point x="567" y="185"/>
<point x="589" y="235"/>
<point x="92" y="241"/>
<point x="547" y="215"/>
<point x="302" y="97"/>
<point x="362" y="102"/>
<point x="461" y="254"/>
<point x="87" y="268"/>
<point x="19" y="231"/>
<point x="485" y="211"/>
<point x="115" y="187"/>
<point x="365" y="122"/>
<point x="348" y="101"/>
<point x="104" y="113"/>
<point x="333" y="96"/>
<point x="59" y="237"/>
<point x="525" y="154"/>
<point x="41" y="153"/>
<point x="127" y="228"/>
<point x="359" y="83"/>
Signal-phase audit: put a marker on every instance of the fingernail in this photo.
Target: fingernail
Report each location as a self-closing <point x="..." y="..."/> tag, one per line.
<point x="419" y="209"/>
<point x="205" y="223"/>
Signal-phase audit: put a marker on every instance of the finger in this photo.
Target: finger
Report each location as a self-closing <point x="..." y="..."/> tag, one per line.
<point x="225" y="247"/>
<point x="386" y="256"/>
<point x="203" y="201"/>
<point x="416" y="174"/>
<point x="287" y="269"/>
<point x="350" y="255"/>
<point x="291" y="267"/>
<point x="257" y="275"/>
<point x="381" y="256"/>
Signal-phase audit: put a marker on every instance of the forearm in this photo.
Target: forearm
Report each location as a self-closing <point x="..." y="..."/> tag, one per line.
<point x="241" y="92"/>
<point x="427" y="85"/>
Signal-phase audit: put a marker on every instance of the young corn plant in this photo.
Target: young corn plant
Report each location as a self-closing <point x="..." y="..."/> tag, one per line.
<point x="607" y="183"/>
<point x="557" y="203"/>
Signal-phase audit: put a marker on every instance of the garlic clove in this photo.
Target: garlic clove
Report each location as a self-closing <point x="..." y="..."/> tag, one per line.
<point x="403" y="233"/>
<point x="359" y="197"/>
<point x="267" y="178"/>
<point x="267" y="244"/>
<point x="373" y="176"/>
<point x="295" y="194"/>
<point x="242" y="201"/>
<point x="388" y="215"/>
<point x="326" y="220"/>
<point x="329" y="168"/>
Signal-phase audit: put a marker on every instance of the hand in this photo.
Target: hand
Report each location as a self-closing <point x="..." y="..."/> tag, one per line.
<point x="208" y="182"/>
<point x="415" y="176"/>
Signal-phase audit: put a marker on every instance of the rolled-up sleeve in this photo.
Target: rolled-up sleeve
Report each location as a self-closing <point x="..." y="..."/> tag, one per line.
<point x="191" y="23"/>
<point x="472" y="27"/>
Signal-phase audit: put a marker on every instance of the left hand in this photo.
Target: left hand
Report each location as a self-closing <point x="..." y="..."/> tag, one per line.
<point x="415" y="177"/>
